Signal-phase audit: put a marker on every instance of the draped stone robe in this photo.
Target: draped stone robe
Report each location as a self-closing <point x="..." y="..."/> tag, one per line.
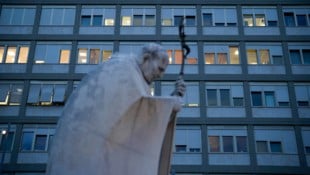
<point x="111" y="125"/>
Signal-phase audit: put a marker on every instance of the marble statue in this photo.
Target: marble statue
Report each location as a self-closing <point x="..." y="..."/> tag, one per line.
<point x="112" y="125"/>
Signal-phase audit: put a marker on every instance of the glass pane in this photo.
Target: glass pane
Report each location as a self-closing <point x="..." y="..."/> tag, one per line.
<point x="1" y="54"/>
<point x="27" y="141"/>
<point x="59" y="93"/>
<point x="46" y="93"/>
<point x="16" y="94"/>
<point x="23" y="54"/>
<point x="106" y="55"/>
<point x="4" y="92"/>
<point x="97" y="20"/>
<point x="191" y="60"/>
<point x="149" y="20"/>
<point x="7" y="142"/>
<point x="137" y="20"/>
<point x="82" y="57"/>
<point x="222" y="58"/>
<point x="307" y="149"/>
<point x="169" y="52"/>
<point x="190" y="21"/>
<point x="252" y="56"/>
<point x="269" y="99"/>
<point x="275" y="147"/>
<point x="225" y="97"/>
<point x="94" y="56"/>
<point x="10" y="55"/>
<point x="277" y="59"/>
<point x="109" y="22"/>
<point x="301" y="20"/>
<point x="211" y="97"/>
<point x="85" y="20"/>
<point x="178" y="57"/>
<point x="261" y="147"/>
<point x="209" y="58"/>
<point x="295" y="57"/>
<point x="207" y="19"/>
<point x="257" y="98"/>
<point x="264" y="56"/>
<point x="248" y="20"/>
<point x="306" y="56"/>
<point x="272" y="23"/>
<point x="180" y="148"/>
<point x="126" y="21"/>
<point x="260" y="20"/>
<point x="64" y="56"/>
<point x="40" y="142"/>
<point x="177" y="20"/>
<point x="238" y="101"/>
<point x="228" y="145"/>
<point x="289" y="19"/>
<point x="242" y="145"/>
<point x="234" y="55"/>
<point x="166" y="22"/>
<point x="214" y="143"/>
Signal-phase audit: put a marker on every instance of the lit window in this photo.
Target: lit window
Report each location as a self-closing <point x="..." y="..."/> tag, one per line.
<point x="214" y="143"/>
<point x="94" y="56"/>
<point x="209" y="58"/>
<point x="106" y="55"/>
<point x="260" y="20"/>
<point x="109" y="22"/>
<point x="248" y="20"/>
<point x="222" y="58"/>
<point x="1" y="54"/>
<point x="252" y="56"/>
<point x="126" y="21"/>
<point x="64" y="56"/>
<point x="23" y="54"/>
<point x="264" y="56"/>
<point x="169" y="52"/>
<point x="82" y="57"/>
<point x="10" y="56"/>
<point x="166" y="22"/>
<point x="234" y="55"/>
<point x="178" y="57"/>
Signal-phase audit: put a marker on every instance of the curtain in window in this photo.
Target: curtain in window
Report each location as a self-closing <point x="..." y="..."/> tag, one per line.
<point x="222" y="58"/>
<point x="209" y="58"/>
<point x="214" y="143"/>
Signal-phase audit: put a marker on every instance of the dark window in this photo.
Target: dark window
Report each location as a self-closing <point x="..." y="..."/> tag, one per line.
<point x="307" y="149"/>
<point x="27" y="141"/>
<point x="97" y="21"/>
<point x="242" y="145"/>
<point x="295" y="57"/>
<point x="277" y="59"/>
<point x="40" y="142"/>
<point x="211" y="96"/>
<point x="301" y="20"/>
<point x="238" y="101"/>
<point x="289" y="19"/>
<point x="275" y="147"/>
<point x="257" y="98"/>
<point x="261" y="146"/>
<point x="306" y="56"/>
<point x="7" y="141"/>
<point x="180" y="148"/>
<point x="177" y="20"/>
<point x="137" y="20"/>
<point x="231" y="24"/>
<point x="283" y="103"/>
<point x="149" y="20"/>
<point x="85" y="21"/>
<point x="269" y="99"/>
<point x="207" y="19"/>
<point x="272" y="23"/>
<point x="228" y="145"/>
<point x="219" y="24"/>
<point x="190" y="21"/>
<point x="225" y="96"/>
<point x="194" y="150"/>
<point x="303" y="103"/>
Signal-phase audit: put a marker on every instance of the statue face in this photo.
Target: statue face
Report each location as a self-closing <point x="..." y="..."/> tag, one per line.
<point x="153" y="69"/>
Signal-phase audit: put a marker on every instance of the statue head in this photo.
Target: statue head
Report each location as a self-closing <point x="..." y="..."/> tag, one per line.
<point x="153" y="61"/>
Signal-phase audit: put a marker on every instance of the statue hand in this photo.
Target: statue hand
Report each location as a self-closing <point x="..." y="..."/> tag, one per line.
<point x="180" y="88"/>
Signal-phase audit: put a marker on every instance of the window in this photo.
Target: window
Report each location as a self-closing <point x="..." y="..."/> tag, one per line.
<point x="248" y="20"/>
<point x="260" y="20"/>
<point x="219" y="54"/>
<point x="52" y="53"/>
<point x="172" y="16"/>
<point x="302" y="92"/>
<point x="62" y="15"/>
<point x="257" y="98"/>
<point x="97" y="16"/>
<point x="6" y="141"/>
<point x="256" y="20"/>
<point x="47" y="93"/>
<point x="94" y="53"/>
<point x="180" y="148"/>
<point x="242" y="144"/>
<point x="224" y="94"/>
<point x="269" y="99"/>
<point x="11" y="93"/>
<point x="264" y="56"/>
<point x="301" y="56"/>
<point x="138" y="17"/>
<point x="219" y="16"/>
<point x="307" y="149"/>
<point x="214" y="143"/>
<point x="261" y="146"/>
<point x="176" y="57"/>
<point x="17" y="15"/>
<point x="187" y="139"/>
<point x="301" y="20"/>
<point x="37" y="138"/>
<point x="268" y="146"/>
<point x="190" y="21"/>
<point x="252" y="56"/>
<point x="228" y="144"/>
<point x="275" y="147"/>
<point x="289" y="19"/>
<point x="12" y="54"/>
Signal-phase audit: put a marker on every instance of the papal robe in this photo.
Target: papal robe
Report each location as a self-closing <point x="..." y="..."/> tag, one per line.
<point x="111" y="125"/>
